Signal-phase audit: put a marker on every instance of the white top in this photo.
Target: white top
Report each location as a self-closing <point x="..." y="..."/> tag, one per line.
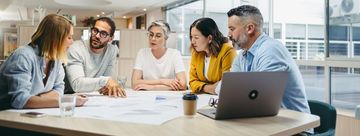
<point x="88" y="71"/>
<point x="164" y="68"/>
<point x="206" y="68"/>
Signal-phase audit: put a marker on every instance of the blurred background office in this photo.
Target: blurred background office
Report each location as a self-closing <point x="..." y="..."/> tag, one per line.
<point x="323" y="36"/>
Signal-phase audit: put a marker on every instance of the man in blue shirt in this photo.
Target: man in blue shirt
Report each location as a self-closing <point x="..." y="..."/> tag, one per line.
<point x="260" y="52"/>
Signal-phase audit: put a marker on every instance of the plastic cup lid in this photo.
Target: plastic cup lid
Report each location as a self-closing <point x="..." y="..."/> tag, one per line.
<point x="190" y="96"/>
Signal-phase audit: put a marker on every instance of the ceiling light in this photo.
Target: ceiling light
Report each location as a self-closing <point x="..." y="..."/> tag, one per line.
<point x="97" y="15"/>
<point x="144" y="9"/>
<point x="102" y="13"/>
<point x="84" y="3"/>
<point x="124" y="17"/>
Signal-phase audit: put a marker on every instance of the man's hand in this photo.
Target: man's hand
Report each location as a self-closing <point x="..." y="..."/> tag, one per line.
<point x="113" y="89"/>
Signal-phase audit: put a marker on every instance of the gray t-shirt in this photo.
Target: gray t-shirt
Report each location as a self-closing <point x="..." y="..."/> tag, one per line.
<point x="88" y="71"/>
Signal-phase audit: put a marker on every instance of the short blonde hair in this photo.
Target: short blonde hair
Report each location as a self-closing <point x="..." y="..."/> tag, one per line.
<point x="49" y="37"/>
<point x="163" y="25"/>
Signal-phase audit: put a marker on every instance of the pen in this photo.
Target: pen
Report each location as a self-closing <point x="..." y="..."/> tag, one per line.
<point x="160" y="98"/>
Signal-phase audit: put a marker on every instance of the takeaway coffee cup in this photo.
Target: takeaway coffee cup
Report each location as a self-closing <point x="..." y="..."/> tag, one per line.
<point x="189" y="102"/>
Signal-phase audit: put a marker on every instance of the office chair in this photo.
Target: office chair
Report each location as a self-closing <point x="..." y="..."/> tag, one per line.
<point x="327" y="114"/>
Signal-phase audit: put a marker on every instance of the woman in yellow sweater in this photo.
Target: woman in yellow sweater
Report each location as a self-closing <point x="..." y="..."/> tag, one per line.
<point x="211" y="56"/>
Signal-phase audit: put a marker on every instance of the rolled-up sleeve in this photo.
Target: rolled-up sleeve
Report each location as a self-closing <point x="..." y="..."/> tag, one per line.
<point x="59" y="83"/>
<point x="18" y="74"/>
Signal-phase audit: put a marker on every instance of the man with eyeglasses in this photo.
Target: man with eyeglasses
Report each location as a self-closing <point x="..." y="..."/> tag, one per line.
<point x="91" y="63"/>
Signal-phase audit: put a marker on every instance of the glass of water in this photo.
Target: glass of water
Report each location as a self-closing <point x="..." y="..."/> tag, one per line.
<point x="67" y="104"/>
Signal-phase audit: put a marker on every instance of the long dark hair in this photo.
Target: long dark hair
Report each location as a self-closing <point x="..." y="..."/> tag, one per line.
<point x="207" y="26"/>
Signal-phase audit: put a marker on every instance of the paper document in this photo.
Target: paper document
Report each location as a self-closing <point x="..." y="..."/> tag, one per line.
<point x="148" y="107"/>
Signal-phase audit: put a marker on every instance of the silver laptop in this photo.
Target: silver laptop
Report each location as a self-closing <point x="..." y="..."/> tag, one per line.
<point x="248" y="94"/>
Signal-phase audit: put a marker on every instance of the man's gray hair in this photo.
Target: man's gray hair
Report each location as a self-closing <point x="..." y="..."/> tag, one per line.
<point x="248" y="13"/>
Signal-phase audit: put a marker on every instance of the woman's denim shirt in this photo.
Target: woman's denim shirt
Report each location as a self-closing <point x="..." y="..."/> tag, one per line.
<point x="22" y="74"/>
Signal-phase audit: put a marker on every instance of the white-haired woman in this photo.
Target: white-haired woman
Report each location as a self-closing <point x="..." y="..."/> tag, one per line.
<point x="158" y="67"/>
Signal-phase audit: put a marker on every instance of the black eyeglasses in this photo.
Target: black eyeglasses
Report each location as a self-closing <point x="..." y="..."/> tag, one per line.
<point x="95" y="31"/>
<point x="213" y="102"/>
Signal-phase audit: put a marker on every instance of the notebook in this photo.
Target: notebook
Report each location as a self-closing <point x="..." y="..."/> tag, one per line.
<point x="248" y="94"/>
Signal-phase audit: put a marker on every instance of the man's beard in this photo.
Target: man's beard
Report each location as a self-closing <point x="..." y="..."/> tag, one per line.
<point x="102" y="45"/>
<point x="241" y="41"/>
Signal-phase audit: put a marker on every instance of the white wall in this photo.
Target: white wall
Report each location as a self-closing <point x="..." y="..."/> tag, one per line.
<point x="154" y="15"/>
<point x="120" y="23"/>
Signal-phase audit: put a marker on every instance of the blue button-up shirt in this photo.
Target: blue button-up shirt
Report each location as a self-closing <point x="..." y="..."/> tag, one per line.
<point x="22" y="74"/>
<point x="267" y="54"/>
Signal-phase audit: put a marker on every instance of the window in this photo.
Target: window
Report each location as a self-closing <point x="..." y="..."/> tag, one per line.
<point x="356" y="33"/>
<point x="221" y="21"/>
<point x="344" y="87"/>
<point x="316" y="32"/>
<point x="292" y="48"/>
<point x="219" y="13"/>
<point x="357" y="49"/>
<point x="338" y="41"/>
<point x="299" y="25"/>
<point x="338" y="33"/>
<point x="316" y="51"/>
<point x="338" y="49"/>
<point x="356" y="40"/>
<point x="314" y="76"/>
<point x="295" y="31"/>
<point x="180" y="19"/>
<point x="277" y="30"/>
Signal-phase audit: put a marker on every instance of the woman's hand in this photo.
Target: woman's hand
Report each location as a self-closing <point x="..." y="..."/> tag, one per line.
<point x="173" y="83"/>
<point x="80" y="100"/>
<point x="143" y="87"/>
<point x="210" y="88"/>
